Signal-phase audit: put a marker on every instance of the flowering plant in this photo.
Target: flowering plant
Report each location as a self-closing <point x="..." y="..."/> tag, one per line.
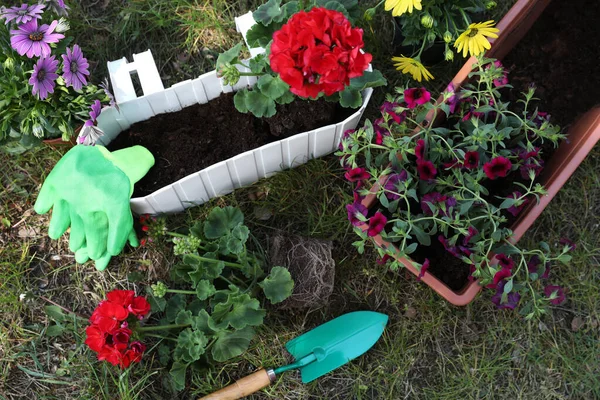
<point x="216" y="320"/>
<point x="44" y="92"/>
<point x="458" y="184"/>
<point x="113" y="326"/>
<point x="423" y="22"/>
<point x="310" y="53"/>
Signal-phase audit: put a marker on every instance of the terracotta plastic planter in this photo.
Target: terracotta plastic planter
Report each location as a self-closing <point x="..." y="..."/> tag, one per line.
<point x="582" y="137"/>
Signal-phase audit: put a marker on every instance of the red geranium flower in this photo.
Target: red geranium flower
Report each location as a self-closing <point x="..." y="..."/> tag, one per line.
<point x="318" y="52"/>
<point x="95" y="337"/>
<point x="139" y="307"/>
<point x="499" y="167"/>
<point x="376" y="224"/>
<point x="121" y="297"/>
<point x="120" y="338"/>
<point x="415" y="96"/>
<point x="426" y="170"/>
<point x="471" y="159"/>
<point x="357" y="174"/>
<point x="108" y="315"/>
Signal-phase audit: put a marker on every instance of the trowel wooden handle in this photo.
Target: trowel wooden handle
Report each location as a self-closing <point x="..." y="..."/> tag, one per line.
<point x="245" y="386"/>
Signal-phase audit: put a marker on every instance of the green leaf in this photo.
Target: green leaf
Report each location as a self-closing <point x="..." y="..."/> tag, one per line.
<point x="336" y="6"/>
<point x="411" y="248"/>
<point x="177" y="372"/>
<point x="422" y="237"/>
<point x="55" y="330"/>
<point x="239" y="100"/>
<point x="260" y="105"/>
<point x="204" y="269"/>
<point x="205" y="289"/>
<point x="184" y="317"/>
<point x="350" y="98"/>
<point x="191" y="345"/>
<point x="287" y="10"/>
<point x="231" y="344"/>
<point x="266" y="13"/>
<point x="287" y="98"/>
<point x="174" y="305"/>
<point x="228" y="56"/>
<point x="278" y="286"/>
<point x="157" y="304"/>
<point x="272" y="87"/>
<point x="55" y="312"/>
<point x="239" y="311"/>
<point x="369" y="79"/>
<point x="260" y="35"/>
<point x="204" y="322"/>
<point x="507" y="203"/>
<point x="221" y="221"/>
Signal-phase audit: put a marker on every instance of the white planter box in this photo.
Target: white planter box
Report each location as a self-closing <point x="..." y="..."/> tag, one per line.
<point x="223" y="177"/>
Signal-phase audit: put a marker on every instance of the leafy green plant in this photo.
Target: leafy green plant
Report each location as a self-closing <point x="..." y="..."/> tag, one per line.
<point x="286" y="70"/>
<point x="219" y="316"/>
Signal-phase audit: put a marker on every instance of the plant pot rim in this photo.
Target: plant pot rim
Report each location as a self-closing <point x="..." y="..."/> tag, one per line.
<point x="583" y="135"/>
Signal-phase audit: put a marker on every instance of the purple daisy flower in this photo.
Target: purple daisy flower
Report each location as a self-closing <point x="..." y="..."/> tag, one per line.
<point x="96" y="108"/>
<point x="75" y="68"/>
<point x="23" y="14"/>
<point x="43" y="77"/>
<point x="58" y="7"/>
<point x="32" y="40"/>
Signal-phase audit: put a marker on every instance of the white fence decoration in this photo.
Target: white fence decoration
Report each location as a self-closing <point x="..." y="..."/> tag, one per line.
<point x="221" y="178"/>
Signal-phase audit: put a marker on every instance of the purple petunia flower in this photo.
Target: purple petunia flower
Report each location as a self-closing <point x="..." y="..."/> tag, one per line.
<point x="512" y="298"/>
<point x="388" y="108"/>
<point x="96" y="107"/>
<point x="23" y="14"/>
<point x="559" y="293"/>
<point x="391" y="183"/>
<point x="75" y="68"/>
<point x="353" y="210"/>
<point x="357" y="174"/>
<point x="568" y="242"/>
<point x="31" y="40"/>
<point x="43" y="77"/>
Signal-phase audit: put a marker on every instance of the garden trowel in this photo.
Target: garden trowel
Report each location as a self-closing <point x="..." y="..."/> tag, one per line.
<point x="316" y="352"/>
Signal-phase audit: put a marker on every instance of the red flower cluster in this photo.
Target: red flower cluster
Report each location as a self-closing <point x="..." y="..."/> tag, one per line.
<point x="318" y="52"/>
<point x="109" y="333"/>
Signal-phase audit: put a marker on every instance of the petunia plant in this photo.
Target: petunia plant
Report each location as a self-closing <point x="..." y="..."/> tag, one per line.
<point x="311" y="51"/>
<point x="425" y="22"/>
<point x="210" y="311"/>
<point x="459" y="185"/>
<point x="44" y="89"/>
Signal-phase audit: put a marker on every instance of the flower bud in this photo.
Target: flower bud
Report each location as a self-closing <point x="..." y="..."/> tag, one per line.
<point x="9" y="63"/>
<point x="427" y="21"/>
<point x="369" y="14"/>
<point x="38" y="131"/>
<point x="449" y="56"/>
<point x="229" y="73"/>
<point x="159" y="289"/>
<point x="490" y="5"/>
<point x="447" y="37"/>
<point x="431" y="36"/>
<point x="63" y="26"/>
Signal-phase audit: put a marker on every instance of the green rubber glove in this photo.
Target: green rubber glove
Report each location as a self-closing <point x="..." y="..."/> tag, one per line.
<point x="89" y="190"/>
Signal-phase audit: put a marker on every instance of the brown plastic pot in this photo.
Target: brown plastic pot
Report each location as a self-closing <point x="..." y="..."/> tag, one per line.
<point x="582" y="137"/>
<point x="60" y="143"/>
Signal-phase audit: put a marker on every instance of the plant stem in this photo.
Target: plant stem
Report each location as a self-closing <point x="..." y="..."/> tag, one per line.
<point x="181" y="291"/>
<point x="63" y="308"/>
<point x="212" y="260"/>
<point x="161" y="327"/>
<point x="160" y="337"/>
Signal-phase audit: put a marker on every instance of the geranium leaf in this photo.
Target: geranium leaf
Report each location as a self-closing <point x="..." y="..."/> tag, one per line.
<point x="287" y="98"/>
<point x="174" y="305"/>
<point x="239" y="311"/>
<point x="336" y="6"/>
<point x="55" y="330"/>
<point x="260" y="105"/>
<point x="258" y="63"/>
<point x="184" y="317"/>
<point x="278" y="286"/>
<point x="55" y="312"/>
<point x="239" y="100"/>
<point x="369" y="79"/>
<point x="266" y="13"/>
<point x="206" y="270"/>
<point x="272" y="87"/>
<point x="221" y="220"/>
<point x="177" y="372"/>
<point x="205" y="289"/>
<point x="191" y="345"/>
<point x="228" y="56"/>
<point x="260" y="35"/>
<point x="204" y="322"/>
<point x="287" y="10"/>
<point x="350" y="98"/>
<point x="231" y="344"/>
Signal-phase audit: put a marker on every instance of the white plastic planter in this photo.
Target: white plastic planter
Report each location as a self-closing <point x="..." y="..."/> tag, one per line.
<point x="223" y="177"/>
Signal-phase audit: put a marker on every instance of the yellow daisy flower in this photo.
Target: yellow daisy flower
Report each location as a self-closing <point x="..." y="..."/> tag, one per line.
<point x="399" y="7"/>
<point x="473" y="40"/>
<point x="412" y="66"/>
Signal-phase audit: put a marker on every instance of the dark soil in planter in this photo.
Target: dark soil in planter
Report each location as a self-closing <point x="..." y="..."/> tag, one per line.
<point x="204" y="134"/>
<point x="560" y="55"/>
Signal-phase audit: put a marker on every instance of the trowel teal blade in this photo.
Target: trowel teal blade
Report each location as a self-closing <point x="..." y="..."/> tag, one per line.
<point x="336" y="342"/>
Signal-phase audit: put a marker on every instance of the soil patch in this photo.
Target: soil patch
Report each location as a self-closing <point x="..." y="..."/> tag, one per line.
<point x="204" y="134"/>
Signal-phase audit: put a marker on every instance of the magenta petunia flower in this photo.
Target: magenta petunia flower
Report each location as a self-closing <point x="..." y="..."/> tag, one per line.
<point x="416" y="96"/>
<point x="505" y="261"/>
<point x="499" y="167"/>
<point x="471" y="160"/>
<point x="75" y="68"/>
<point x="391" y="183"/>
<point x="31" y="40"/>
<point x="454" y="250"/>
<point x="388" y="108"/>
<point x="43" y="77"/>
<point x="23" y="14"/>
<point x="502" y="81"/>
<point x="517" y="208"/>
<point x="380" y="130"/>
<point x="560" y="294"/>
<point x="353" y="210"/>
<point x="426" y="170"/>
<point x="420" y="150"/>
<point x="512" y="298"/>
<point x="499" y="277"/>
<point x="437" y="201"/>
<point x="376" y="224"/>
<point x="383" y="260"/>
<point x="568" y="242"/>
<point x="424" y="269"/>
<point x="453" y="100"/>
<point x="357" y="174"/>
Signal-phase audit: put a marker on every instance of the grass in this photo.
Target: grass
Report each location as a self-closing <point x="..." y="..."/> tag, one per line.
<point x="430" y="349"/>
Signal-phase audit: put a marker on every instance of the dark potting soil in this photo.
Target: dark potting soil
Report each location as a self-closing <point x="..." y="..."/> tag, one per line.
<point x="201" y="135"/>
